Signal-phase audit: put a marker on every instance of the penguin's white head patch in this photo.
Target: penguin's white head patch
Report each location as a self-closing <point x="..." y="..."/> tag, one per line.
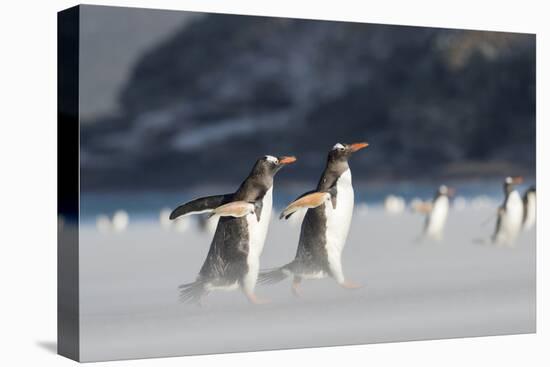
<point x="271" y="159"/>
<point x="443" y="189"/>
<point x="337" y="146"/>
<point x="509" y="180"/>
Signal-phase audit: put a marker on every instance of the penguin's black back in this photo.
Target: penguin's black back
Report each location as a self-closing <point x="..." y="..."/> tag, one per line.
<point x="227" y="258"/>
<point x="226" y="261"/>
<point x="311" y="255"/>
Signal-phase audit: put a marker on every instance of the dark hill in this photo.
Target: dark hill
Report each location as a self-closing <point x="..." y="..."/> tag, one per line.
<point x="432" y="102"/>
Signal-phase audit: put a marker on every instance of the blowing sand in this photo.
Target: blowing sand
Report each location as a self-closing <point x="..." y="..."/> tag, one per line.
<point x="411" y="291"/>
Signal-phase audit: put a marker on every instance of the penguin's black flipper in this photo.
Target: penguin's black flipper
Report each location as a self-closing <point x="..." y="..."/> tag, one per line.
<point x="500" y="214"/>
<point x="258" y="206"/>
<point x="333" y="195"/>
<point x="201" y="205"/>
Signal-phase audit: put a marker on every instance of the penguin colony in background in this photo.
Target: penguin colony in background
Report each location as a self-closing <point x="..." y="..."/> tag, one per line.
<point x="241" y="221"/>
<point x="118" y="223"/>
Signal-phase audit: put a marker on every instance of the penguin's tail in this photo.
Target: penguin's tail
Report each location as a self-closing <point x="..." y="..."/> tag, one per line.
<point x="192" y="292"/>
<point x="273" y="276"/>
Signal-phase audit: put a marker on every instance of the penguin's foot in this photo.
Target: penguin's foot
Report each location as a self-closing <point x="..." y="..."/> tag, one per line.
<point x="252" y="298"/>
<point x="296" y="289"/>
<point x="350" y="285"/>
<point x="202" y="301"/>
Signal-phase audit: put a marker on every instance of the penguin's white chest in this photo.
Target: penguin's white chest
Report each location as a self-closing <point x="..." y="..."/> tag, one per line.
<point x="511" y="219"/>
<point x="437" y="218"/>
<point x="530" y="211"/>
<point x="257" y="231"/>
<point x="338" y="220"/>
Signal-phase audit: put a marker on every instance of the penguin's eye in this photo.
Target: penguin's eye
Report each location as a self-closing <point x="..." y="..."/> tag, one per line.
<point x="339" y="147"/>
<point x="270" y="158"/>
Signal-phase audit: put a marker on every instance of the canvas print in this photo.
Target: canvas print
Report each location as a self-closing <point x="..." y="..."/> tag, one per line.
<point x="241" y="183"/>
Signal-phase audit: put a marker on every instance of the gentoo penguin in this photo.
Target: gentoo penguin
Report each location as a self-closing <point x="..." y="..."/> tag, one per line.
<point x="120" y="220"/>
<point x="437" y="215"/>
<point x="509" y="215"/>
<point x="325" y="226"/>
<point x="118" y="223"/>
<point x="233" y="259"/>
<point x="529" y="208"/>
<point x="394" y="204"/>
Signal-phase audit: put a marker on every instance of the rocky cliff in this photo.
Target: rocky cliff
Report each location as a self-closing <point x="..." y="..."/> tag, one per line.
<point x="226" y="89"/>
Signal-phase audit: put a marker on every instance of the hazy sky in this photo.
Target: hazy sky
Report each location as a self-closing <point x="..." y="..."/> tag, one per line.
<point x="112" y="40"/>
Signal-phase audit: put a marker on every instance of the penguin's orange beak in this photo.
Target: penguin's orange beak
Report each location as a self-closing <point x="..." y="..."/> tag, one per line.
<point x="287" y="160"/>
<point x="357" y="146"/>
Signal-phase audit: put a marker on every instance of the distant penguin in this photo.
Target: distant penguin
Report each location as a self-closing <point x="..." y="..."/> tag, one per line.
<point x="437" y="216"/>
<point x="529" y="208"/>
<point x="481" y="202"/>
<point x="233" y="259"/>
<point x="120" y="221"/>
<point x="117" y="223"/>
<point x="509" y="215"/>
<point x="394" y="204"/>
<point x="325" y="226"/>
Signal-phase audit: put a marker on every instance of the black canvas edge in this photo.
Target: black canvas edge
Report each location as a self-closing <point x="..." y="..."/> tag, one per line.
<point x="68" y="186"/>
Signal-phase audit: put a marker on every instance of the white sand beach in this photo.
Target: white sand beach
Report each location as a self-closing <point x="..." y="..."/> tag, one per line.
<point x="411" y="291"/>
